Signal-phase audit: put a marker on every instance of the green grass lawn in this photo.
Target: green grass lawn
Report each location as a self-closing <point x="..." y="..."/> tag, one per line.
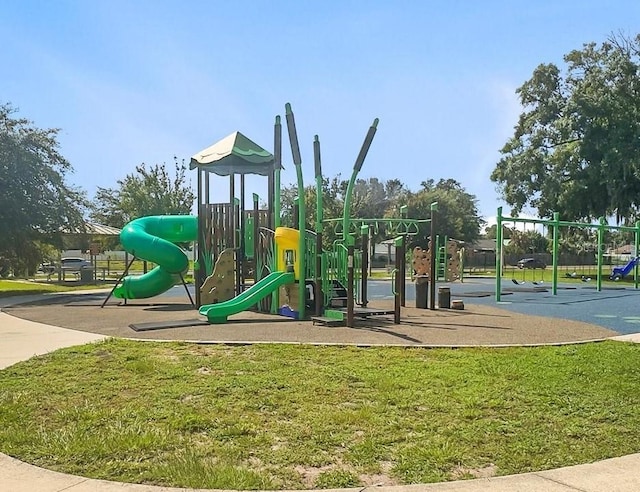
<point x="566" y="274"/>
<point x="9" y="288"/>
<point x="282" y="416"/>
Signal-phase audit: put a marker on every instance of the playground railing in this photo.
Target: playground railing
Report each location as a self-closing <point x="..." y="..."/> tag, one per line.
<point x="265" y="259"/>
<point x="310" y="250"/>
<point x="335" y="269"/>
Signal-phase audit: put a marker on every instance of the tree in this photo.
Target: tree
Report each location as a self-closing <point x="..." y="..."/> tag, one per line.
<point x="457" y="216"/>
<point x="527" y="242"/>
<point x="457" y="210"/>
<point x="577" y="241"/>
<point x="576" y="148"/>
<point x="371" y="198"/>
<point x="332" y="204"/>
<point x="147" y="192"/>
<point x="492" y="231"/>
<point x="36" y="202"/>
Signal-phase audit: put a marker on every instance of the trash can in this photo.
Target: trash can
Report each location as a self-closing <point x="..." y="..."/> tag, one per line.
<point x="422" y="291"/>
<point x="444" y="297"/>
<point x="86" y="275"/>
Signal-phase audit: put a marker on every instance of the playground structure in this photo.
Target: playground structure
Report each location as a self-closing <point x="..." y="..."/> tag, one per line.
<point x="449" y="266"/>
<point x="554" y="225"/>
<point x="154" y="238"/>
<point x="245" y="258"/>
<point x="291" y="273"/>
<point x="619" y="272"/>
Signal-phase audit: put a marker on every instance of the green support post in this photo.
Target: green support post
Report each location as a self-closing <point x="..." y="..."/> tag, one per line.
<point x="297" y="161"/>
<point x="350" y="289"/>
<point x="636" y="251"/>
<point x="364" y="235"/>
<point x="498" y="254"/>
<point x="442" y="259"/>
<point x="404" y="211"/>
<point x="250" y="228"/>
<point x="277" y="168"/>
<point x="346" y="217"/>
<point x="347" y="238"/>
<point x="554" y="251"/>
<point x="199" y="269"/>
<point x="432" y="266"/>
<point x="436" y="252"/>
<point x="399" y="244"/>
<point x="237" y="245"/>
<point x="318" y="172"/>
<point x="601" y="228"/>
<point x="319" y="301"/>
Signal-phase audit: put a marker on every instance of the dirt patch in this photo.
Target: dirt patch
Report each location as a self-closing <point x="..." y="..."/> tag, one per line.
<point x="310" y="474"/>
<point x="462" y="472"/>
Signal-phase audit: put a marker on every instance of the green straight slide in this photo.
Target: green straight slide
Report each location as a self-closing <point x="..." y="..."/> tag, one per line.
<point x="218" y="313"/>
<point x="152" y="238"/>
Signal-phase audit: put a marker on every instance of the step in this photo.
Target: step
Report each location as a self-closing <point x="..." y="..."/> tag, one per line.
<point x="338" y="302"/>
<point x="323" y="320"/>
<point x="334" y="314"/>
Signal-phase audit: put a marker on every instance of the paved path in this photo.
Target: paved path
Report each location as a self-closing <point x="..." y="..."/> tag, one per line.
<point x="477" y="324"/>
<point x="614" y="475"/>
<point x="21" y="339"/>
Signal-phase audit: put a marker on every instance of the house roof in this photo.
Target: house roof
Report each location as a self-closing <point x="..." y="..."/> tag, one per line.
<point x="484" y="245"/>
<point x="625" y="249"/>
<point x="96" y="230"/>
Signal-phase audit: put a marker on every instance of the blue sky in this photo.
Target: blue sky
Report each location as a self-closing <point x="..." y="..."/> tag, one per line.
<point x="141" y="81"/>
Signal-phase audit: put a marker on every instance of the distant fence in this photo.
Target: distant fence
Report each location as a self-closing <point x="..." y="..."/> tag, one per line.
<point x="487" y="260"/>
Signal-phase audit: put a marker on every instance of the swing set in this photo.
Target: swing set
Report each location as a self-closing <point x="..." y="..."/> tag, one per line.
<point x="524" y="281"/>
<point x="531" y="240"/>
<point x="554" y="226"/>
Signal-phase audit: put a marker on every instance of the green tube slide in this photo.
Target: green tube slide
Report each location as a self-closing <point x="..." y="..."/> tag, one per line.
<point x="218" y="313"/>
<point x="152" y="238"/>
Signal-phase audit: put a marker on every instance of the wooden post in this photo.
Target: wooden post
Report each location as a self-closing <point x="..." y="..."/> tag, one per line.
<point x="399" y="281"/>
<point x="402" y="270"/>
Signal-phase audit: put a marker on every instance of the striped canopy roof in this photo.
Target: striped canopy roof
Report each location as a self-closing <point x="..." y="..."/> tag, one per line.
<point x="234" y="154"/>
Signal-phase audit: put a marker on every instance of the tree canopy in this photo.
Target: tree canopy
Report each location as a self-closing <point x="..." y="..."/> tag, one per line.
<point x="527" y="242"/>
<point x="36" y="202"/>
<point x="576" y="146"/>
<point x="149" y="191"/>
<point x="457" y="214"/>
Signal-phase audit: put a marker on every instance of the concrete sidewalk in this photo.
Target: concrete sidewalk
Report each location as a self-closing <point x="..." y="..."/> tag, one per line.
<point x="21" y="339"/>
<point x="613" y="475"/>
